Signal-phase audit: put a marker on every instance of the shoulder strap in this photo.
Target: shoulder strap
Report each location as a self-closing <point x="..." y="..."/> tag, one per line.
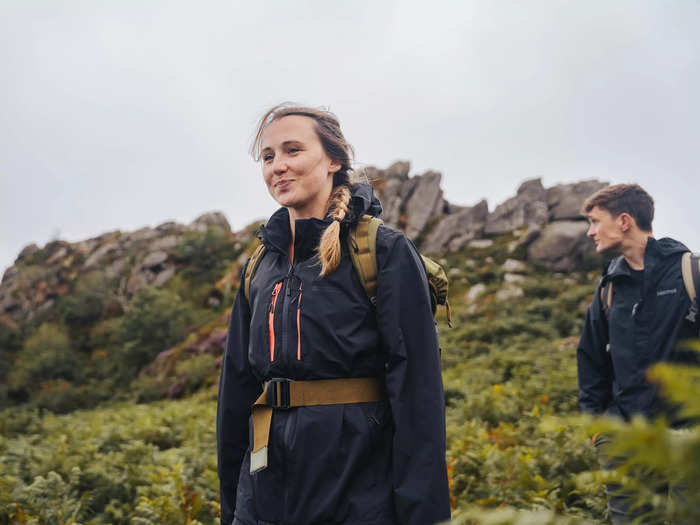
<point x="363" y="252"/>
<point x="606" y="296"/>
<point x="253" y="263"/>
<point x="690" y="268"/>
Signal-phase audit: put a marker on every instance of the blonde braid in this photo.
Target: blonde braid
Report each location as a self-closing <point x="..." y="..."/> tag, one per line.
<point x="329" y="247"/>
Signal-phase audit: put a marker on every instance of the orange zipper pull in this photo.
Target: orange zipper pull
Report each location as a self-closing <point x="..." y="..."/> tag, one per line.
<point x="271" y="319"/>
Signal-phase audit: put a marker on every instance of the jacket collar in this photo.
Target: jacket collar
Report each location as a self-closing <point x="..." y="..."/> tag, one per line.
<point x="654" y="253"/>
<point x="277" y="234"/>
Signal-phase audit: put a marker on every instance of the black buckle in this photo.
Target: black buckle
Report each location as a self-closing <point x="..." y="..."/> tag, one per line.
<point x="278" y="397"/>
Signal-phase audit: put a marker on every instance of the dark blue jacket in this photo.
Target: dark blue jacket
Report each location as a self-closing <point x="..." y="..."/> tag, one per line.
<point x="371" y="463"/>
<point x="644" y="325"/>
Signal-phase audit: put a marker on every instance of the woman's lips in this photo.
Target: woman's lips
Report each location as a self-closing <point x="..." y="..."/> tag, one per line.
<point x="283" y="184"/>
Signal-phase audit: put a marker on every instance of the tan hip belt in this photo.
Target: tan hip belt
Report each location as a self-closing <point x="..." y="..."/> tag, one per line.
<point x="283" y="394"/>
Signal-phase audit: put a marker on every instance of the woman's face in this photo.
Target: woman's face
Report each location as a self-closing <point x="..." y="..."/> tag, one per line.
<point x="297" y="171"/>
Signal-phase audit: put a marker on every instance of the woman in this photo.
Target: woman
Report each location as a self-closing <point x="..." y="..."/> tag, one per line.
<point x="325" y="457"/>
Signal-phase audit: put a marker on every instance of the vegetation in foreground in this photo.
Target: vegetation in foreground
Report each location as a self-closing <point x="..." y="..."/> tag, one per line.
<point x="518" y="451"/>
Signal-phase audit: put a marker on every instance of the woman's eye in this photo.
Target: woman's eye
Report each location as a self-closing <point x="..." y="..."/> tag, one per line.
<point x="267" y="157"/>
<point x="293" y="150"/>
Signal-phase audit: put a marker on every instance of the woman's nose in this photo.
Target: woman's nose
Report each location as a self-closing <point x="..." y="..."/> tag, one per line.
<point x="279" y="165"/>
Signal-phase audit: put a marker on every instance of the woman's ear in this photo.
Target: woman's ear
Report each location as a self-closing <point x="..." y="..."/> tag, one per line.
<point x="333" y="167"/>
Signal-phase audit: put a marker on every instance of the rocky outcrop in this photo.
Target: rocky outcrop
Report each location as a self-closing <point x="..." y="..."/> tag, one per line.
<point x="528" y="208"/>
<point x="393" y="186"/>
<point x="132" y="260"/>
<point x="562" y="246"/>
<point x="416" y="205"/>
<point x="424" y="203"/>
<point x="215" y="218"/>
<point x="454" y="231"/>
<point x="408" y="203"/>
<point x="545" y="225"/>
<point x="565" y="200"/>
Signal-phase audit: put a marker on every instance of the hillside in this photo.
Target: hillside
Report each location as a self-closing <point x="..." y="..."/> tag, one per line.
<point x="110" y="351"/>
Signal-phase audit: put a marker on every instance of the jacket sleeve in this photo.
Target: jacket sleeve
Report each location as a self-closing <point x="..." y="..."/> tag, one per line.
<point x="595" y="371"/>
<point x="414" y="382"/>
<point x="238" y="389"/>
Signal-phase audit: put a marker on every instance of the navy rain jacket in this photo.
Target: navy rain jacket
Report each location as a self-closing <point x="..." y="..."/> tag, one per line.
<point x="643" y="327"/>
<point x="369" y="463"/>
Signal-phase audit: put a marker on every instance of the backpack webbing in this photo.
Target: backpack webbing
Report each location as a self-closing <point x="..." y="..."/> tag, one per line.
<point x="362" y="242"/>
<point x="253" y="263"/>
<point x="690" y="269"/>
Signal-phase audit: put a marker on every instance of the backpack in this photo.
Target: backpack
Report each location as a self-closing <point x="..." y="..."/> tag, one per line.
<point x="362" y="243"/>
<point x="690" y="268"/>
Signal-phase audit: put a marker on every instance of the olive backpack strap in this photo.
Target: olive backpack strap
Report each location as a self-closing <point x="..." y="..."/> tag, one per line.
<point x="362" y="242"/>
<point x="252" y="266"/>
<point x="690" y="268"/>
<point x="363" y="251"/>
<point x="606" y="297"/>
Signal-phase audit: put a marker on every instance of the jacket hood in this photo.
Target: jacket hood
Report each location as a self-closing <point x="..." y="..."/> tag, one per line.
<point x="364" y="202"/>
<point x="656" y="251"/>
<point x="277" y="234"/>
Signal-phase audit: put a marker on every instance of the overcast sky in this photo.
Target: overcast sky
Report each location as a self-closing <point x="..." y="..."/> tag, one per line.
<point x="117" y="115"/>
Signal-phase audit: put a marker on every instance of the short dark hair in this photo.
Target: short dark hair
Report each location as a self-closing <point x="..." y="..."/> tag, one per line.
<point x="624" y="198"/>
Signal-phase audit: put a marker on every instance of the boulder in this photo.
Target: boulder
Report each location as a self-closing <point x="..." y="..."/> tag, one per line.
<point x="454" y="273"/>
<point x="154" y="259"/>
<point x="117" y="267"/>
<point x="164" y="276"/>
<point x="562" y="246"/>
<point x="390" y="196"/>
<point x="408" y="203"/>
<point x="171" y="227"/>
<point x="524" y="239"/>
<point x="565" y="200"/>
<point x="214" y="218"/>
<point x="100" y="253"/>
<point x="454" y="231"/>
<point x="514" y="266"/>
<point x="59" y="254"/>
<point x="143" y="234"/>
<point x="164" y="243"/>
<point x="424" y="204"/>
<point x="475" y="292"/>
<point x="513" y="278"/>
<point x="527" y="208"/>
<point x="508" y="292"/>
<point x="480" y="244"/>
<point x="389" y="185"/>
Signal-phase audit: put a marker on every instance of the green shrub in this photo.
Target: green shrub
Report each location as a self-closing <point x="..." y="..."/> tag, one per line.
<point x="205" y="255"/>
<point x="120" y="465"/>
<point x="88" y="301"/>
<point x="60" y="396"/>
<point x="46" y="355"/>
<point x="156" y="320"/>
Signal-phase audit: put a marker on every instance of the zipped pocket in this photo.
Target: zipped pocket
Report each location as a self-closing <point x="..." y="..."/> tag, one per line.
<point x="271" y="319"/>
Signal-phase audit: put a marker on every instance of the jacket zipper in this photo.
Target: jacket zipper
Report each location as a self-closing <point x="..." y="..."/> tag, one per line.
<point x="299" y="324"/>
<point x="271" y="319"/>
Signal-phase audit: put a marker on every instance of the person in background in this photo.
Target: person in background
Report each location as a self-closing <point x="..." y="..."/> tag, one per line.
<point x="638" y="315"/>
<point x="348" y="423"/>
